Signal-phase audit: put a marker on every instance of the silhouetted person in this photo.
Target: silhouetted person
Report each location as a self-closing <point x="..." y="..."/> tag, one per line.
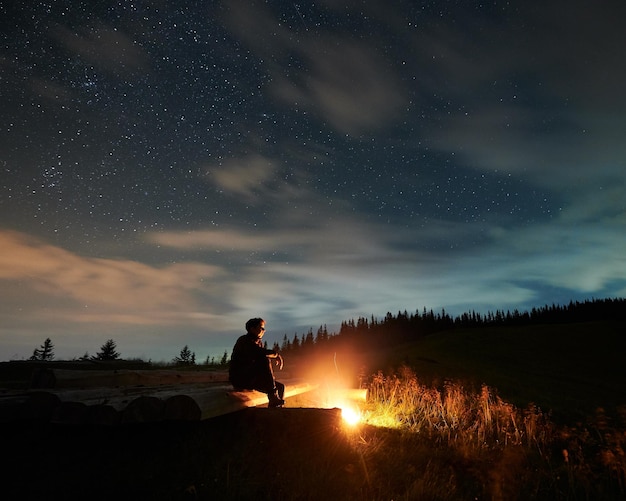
<point x="251" y="364"/>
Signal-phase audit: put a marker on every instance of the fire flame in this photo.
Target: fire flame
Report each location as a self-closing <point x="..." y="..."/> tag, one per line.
<point x="350" y="415"/>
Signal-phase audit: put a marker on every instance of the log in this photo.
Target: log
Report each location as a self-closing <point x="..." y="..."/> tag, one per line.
<point x="110" y="405"/>
<point x="63" y="378"/>
<point x="40" y="406"/>
<point x="223" y="400"/>
<point x="182" y="408"/>
<point x="355" y="394"/>
<point x="144" y="409"/>
<point x="329" y="397"/>
<point x="70" y="413"/>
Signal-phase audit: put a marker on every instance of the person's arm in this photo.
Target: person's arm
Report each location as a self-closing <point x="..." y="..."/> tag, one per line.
<point x="273" y="354"/>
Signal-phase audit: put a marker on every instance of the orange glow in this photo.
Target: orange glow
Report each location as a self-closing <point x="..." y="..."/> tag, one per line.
<point x="347" y="400"/>
<point x="350" y="414"/>
<point x="334" y="373"/>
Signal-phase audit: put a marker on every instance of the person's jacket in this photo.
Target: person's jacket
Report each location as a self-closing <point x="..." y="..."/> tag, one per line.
<point x="249" y="357"/>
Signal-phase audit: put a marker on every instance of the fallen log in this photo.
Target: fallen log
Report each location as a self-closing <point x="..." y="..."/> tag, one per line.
<point x="70" y="413"/>
<point x="144" y="409"/>
<point x="224" y="399"/>
<point x="40" y="405"/>
<point x="182" y="408"/>
<point x="142" y="404"/>
<point x="44" y="378"/>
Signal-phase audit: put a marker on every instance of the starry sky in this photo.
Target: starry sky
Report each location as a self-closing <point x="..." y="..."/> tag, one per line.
<point x="171" y="169"/>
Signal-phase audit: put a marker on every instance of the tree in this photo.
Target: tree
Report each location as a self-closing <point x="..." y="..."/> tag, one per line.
<point x="286" y="346"/>
<point x="45" y="352"/>
<point x="322" y="334"/>
<point x="107" y="351"/>
<point x="295" y="344"/>
<point x="308" y="340"/>
<point x="224" y="360"/>
<point x="186" y="357"/>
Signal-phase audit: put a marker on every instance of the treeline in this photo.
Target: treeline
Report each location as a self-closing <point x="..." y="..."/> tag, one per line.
<point x="405" y="327"/>
<point x="45" y="353"/>
<point x="108" y="353"/>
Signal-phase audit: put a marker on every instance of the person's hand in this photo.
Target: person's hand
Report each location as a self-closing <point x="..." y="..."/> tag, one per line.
<point x="279" y="362"/>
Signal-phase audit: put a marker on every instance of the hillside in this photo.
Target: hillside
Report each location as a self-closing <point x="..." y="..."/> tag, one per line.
<point x="571" y="369"/>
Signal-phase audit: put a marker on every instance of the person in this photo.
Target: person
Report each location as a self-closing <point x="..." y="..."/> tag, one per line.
<point x="251" y="364"/>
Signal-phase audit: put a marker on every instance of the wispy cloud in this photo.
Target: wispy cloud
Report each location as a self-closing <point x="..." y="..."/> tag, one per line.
<point x="78" y="289"/>
<point x="344" y="81"/>
<point x="105" y="47"/>
<point x="544" y="104"/>
<point x="348" y="83"/>
<point x="243" y="176"/>
<point x="579" y="256"/>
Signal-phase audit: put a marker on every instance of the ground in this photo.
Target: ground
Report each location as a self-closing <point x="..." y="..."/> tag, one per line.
<point x="256" y="453"/>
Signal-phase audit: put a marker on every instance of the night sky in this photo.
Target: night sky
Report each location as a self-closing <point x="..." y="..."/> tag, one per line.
<point x="171" y="169"/>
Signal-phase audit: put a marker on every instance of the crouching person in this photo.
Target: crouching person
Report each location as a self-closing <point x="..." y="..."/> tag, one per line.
<point x="251" y="364"/>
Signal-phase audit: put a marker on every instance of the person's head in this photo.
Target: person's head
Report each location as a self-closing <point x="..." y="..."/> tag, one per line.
<point x="256" y="327"/>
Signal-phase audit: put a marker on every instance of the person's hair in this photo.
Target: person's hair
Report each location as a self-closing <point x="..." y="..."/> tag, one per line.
<point x="252" y="323"/>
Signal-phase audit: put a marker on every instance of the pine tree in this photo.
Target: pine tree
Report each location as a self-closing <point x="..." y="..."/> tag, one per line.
<point x="44" y="353"/>
<point x="308" y="339"/>
<point x="107" y="351"/>
<point x="322" y="335"/>
<point x="224" y="360"/>
<point x="186" y="357"/>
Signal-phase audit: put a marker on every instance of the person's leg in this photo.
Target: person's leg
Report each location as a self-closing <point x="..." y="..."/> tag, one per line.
<point x="273" y="400"/>
<point x="280" y="389"/>
<point x="264" y="381"/>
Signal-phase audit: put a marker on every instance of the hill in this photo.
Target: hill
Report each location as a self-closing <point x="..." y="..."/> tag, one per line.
<point x="571" y="369"/>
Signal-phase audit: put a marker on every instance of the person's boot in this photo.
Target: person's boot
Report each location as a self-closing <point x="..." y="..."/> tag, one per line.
<point x="280" y="390"/>
<point x="274" y="399"/>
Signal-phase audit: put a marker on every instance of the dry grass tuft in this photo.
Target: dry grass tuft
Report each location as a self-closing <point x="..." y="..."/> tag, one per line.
<point x="484" y="446"/>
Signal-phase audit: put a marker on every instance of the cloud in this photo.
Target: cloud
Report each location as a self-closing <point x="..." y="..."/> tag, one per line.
<point x="346" y="242"/>
<point x="337" y="269"/>
<point x="343" y="81"/>
<point x="585" y="257"/>
<point x="105" y="47"/>
<point x="346" y="84"/>
<point x="76" y="289"/>
<point x="243" y="176"/>
<point x="256" y="26"/>
<point x="543" y="105"/>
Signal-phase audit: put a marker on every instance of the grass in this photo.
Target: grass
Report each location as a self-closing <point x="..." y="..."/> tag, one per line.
<point x="452" y="443"/>
<point x="499" y="413"/>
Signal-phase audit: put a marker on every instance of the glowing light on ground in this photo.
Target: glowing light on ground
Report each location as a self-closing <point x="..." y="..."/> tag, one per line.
<point x="351" y="415"/>
<point x="347" y="400"/>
